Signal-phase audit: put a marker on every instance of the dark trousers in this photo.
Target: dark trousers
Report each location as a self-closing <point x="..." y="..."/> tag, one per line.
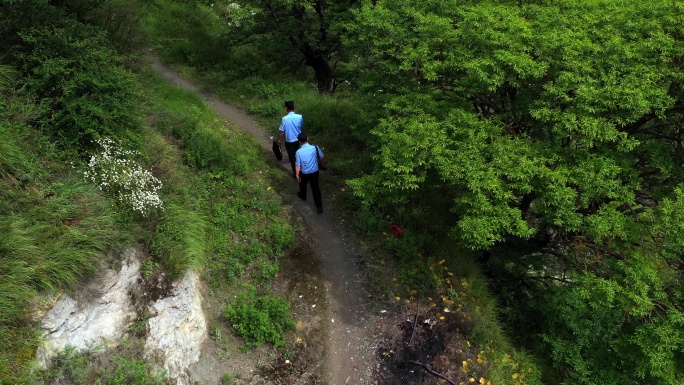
<point x="313" y="179"/>
<point x="291" y="148"/>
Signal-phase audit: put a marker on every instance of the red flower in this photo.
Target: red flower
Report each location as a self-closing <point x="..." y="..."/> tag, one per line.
<point x="396" y="230"/>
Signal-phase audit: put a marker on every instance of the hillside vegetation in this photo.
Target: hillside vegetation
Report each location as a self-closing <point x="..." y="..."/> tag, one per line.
<point x="98" y="155"/>
<point x="535" y="143"/>
<point x="529" y="150"/>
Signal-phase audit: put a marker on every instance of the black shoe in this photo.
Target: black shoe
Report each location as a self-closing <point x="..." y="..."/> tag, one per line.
<point x="320" y="210"/>
<point x="302" y="197"/>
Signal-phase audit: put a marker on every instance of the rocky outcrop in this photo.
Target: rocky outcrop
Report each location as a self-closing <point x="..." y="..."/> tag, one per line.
<point x="96" y="316"/>
<point x="177" y="329"/>
<point x="100" y="313"/>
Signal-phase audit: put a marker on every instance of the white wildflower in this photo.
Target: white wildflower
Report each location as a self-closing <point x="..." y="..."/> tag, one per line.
<point x="114" y="171"/>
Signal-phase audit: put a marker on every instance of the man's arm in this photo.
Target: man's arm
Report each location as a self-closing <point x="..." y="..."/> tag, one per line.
<point x="281" y="129"/>
<point x="297" y="169"/>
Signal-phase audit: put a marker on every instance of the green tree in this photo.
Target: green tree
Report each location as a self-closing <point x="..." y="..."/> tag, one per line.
<point x="559" y="123"/>
<point x="299" y="32"/>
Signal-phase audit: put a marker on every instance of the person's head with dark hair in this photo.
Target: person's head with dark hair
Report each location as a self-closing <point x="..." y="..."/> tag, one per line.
<point x="302" y="138"/>
<point x="289" y="105"/>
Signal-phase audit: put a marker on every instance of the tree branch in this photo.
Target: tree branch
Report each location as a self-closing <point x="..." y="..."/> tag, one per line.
<point x="427" y="368"/>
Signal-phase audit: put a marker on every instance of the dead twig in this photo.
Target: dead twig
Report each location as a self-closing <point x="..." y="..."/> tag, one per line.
<point x="427" y="368"/>
<point x="415" y="319"/>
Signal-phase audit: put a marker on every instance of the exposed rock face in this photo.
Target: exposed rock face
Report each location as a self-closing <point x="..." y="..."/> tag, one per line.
<point x="96" y="317"/>
<point x="178" y="328"/>
<point x="99" y="314"/>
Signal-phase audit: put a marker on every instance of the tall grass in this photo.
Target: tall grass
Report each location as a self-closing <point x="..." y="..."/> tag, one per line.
<point x="54" y="230"/>
<point x="222" y="211"/>
<point x="218" y="201"/>
<point x="179" y="241"/>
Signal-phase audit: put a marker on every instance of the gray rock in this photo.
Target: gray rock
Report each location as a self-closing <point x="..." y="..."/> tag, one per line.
<point x="97" y="316"/>
<point x="177" y="329"/>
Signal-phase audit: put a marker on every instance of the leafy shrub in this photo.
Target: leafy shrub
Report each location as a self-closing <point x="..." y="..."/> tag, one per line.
<point x="85" y="93"/>
<point x="260" y="319"/>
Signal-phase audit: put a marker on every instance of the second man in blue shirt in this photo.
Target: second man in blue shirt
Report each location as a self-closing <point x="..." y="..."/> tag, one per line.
<point x="306" y="169"/>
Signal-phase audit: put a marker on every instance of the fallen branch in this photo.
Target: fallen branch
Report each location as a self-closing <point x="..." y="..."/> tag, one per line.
<point x="415" y="319"/>
<point x="427" y="368"/>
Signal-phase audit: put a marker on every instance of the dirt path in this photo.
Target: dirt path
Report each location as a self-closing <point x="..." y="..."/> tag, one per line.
<point x="349" y="318"/>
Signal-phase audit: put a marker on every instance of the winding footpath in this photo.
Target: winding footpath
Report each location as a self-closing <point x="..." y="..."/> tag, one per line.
<point x="349" y="356"/>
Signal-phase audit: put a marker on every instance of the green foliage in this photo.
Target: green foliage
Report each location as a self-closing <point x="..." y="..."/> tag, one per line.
<point x="126" y="366"/>
<point x="553" y="127"/>
<point x="589" y="333"/>
<point x="179" y="241"/>
<point x="227" y="378"/>
<point x="188" y="32"/>
<point x="214" y="150"/>
<point x="242" y="231"/>
<point x="84" y="91"/>
<point x="313" y="29"/>
<point x="259" y="319"/>
<point x="119" y="19"/>
<point x="501" y="105"/>
<point x="55" y="229"/>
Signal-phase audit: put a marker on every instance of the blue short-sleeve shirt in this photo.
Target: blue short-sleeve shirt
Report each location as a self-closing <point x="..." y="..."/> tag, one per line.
<point x="291" y="124"/>
<point x="307" y="158"/>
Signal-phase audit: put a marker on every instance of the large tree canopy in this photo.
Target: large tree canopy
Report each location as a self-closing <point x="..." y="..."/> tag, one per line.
<point x="557" y="121"/>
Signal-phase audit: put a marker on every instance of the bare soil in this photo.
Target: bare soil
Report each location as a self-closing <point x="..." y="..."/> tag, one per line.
<point x="349" y="331"/>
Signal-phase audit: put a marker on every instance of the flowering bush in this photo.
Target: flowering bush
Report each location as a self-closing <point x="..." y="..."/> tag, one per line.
<point x="114" y="171"/>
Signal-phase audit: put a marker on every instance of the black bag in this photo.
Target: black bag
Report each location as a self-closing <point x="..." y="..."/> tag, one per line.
<point x="277" y="151"/>
<point x="321" y="166"/>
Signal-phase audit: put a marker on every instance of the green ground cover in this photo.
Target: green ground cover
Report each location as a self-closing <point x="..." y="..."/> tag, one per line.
<point x="218" y="215"/>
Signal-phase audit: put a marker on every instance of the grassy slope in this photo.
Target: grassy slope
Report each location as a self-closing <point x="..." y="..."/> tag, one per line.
<point x="219" y="216"/>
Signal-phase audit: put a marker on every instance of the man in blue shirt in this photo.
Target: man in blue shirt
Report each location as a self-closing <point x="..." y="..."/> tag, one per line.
<point x="306" y="170"/>
<point x="290" y="127"/>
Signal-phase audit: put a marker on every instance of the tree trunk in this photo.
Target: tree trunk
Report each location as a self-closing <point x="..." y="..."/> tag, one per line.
<point x="318" y="61"/>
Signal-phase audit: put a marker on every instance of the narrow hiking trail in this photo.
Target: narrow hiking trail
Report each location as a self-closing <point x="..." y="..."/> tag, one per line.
<point x="349" y="319"/>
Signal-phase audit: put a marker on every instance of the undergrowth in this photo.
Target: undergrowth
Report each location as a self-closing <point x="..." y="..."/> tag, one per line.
<point x="220" y="217"/>
<point x="121" y="366"/>
<point x="55" y="229"/>
<point x="259" y="318"/>
<point x="341" y="124"/>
